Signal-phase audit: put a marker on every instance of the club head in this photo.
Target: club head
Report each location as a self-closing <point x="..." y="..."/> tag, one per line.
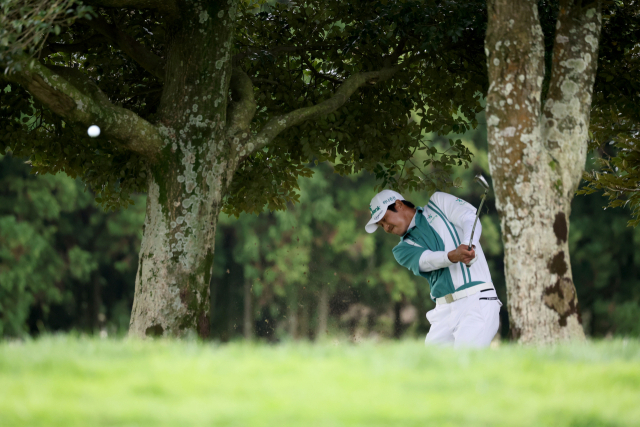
<point x="480" y="180"/>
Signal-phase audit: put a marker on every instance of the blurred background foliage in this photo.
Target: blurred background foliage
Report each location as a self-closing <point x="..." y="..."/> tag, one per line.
<point x="64" y="263"/>
<point x="305" y="273"/>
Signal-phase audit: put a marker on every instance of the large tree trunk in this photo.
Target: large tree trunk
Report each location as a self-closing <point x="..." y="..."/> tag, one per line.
<point x="537" y="155"/>
<point x="187" y="183"/>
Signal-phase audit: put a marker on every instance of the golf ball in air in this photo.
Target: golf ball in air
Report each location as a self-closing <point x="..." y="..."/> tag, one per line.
<point x="93" y="131"/>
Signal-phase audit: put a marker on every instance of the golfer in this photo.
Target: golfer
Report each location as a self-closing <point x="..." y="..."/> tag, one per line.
<point x="431" y="245"/>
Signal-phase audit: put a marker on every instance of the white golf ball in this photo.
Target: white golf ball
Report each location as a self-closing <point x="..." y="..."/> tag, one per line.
<point x="93" y="131"/>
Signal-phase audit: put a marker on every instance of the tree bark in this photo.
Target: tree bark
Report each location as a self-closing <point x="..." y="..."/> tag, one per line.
<point x="96" y="304"/>
<point x="187" y="183"/>
<point x="304" y="330"/>
<point x="537" y="154"/>
<point x="247" y="323"/>
<point x="323" y="313"/>
<point x="293" y="319"/>
<point x="397" y="325"/>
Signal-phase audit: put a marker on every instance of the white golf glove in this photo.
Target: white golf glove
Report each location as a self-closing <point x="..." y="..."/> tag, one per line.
<point x="473" y="260"/>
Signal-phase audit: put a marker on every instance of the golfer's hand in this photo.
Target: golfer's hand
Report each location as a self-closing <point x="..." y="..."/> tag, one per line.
<point x="470" y="263"/>
<point x="462" y="254"/>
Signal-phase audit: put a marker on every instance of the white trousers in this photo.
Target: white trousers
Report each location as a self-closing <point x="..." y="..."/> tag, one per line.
<point x="469" y="322"/>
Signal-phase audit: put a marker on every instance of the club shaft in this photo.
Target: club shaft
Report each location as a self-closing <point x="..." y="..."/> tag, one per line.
<point x="473" y="230"/>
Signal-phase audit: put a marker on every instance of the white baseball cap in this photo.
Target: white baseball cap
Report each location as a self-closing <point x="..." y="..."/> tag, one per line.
<point x="378" y="207"/>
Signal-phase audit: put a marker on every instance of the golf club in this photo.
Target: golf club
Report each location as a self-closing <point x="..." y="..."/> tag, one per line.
<point x="483" y="182"/>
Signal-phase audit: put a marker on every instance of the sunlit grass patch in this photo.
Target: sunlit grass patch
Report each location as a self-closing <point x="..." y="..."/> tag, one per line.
<point x="64" y="381"/>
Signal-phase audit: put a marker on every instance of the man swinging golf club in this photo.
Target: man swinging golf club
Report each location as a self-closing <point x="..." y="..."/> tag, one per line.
<point x="439" y="243"/>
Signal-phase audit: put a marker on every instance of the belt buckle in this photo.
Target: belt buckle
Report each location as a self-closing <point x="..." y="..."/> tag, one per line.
<point x="448" y="298"/>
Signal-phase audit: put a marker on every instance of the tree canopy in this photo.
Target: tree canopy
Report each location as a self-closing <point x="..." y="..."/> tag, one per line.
<point x="295" y="55"/>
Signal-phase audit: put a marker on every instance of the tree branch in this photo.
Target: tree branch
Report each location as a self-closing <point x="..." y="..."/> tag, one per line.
<point x="278" y="124"/>
<point x="618" y="189"/>
<point x="168" y="6"/>
<point x="73" y="96"/>
<point x="82" y="46"/>
<point x="267" y="81"/>
<point x="147" y="59"/>
<point x="399" y="50"/>
<point x="317" y="73"/>
<point x="243" y="108"/>
<point x="279" y="50"/>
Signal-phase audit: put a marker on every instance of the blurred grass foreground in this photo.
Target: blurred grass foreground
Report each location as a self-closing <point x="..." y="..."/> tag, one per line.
<point x="67" y="381"/>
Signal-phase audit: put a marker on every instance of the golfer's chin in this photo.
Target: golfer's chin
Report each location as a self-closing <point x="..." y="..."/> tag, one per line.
<point x="399" y="231"/>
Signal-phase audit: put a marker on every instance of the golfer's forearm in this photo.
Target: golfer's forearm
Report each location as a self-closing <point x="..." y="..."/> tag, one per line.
<point x="430" y="261"/>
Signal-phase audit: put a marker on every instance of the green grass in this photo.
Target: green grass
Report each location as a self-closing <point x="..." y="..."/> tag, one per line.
<point x="65" y="381"/>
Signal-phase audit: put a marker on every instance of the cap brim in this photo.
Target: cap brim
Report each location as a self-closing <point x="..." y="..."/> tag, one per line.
<point x="371" y="226"/>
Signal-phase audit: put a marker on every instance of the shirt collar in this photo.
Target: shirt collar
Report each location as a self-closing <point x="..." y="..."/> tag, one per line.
<point x="412" y="224"/>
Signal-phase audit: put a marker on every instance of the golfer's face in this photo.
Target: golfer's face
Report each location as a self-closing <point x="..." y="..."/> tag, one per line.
<point x="394" y="222"/>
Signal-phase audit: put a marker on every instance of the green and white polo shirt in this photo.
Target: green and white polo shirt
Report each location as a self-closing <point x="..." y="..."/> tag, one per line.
<point x="438" y="228"/>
